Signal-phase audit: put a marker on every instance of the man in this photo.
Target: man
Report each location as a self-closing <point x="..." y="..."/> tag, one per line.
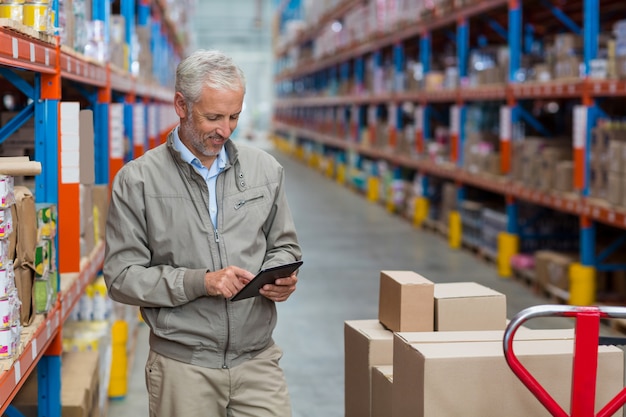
<point x="189" y="224"/>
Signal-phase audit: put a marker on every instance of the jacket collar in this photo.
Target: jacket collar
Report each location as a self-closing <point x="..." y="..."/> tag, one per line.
<point x="233" y="159"/>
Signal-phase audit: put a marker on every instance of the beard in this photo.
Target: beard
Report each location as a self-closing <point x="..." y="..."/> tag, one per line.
<point x="206" y="144"/>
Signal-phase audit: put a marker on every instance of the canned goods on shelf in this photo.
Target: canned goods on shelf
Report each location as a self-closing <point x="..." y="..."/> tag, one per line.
<point x="9" y="340"/>
<point x="6" y="313"/>
<point x="36" y="15"/>
<point x="13" y="11"/>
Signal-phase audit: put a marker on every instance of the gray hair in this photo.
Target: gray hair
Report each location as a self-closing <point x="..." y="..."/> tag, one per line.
<point x="207" y="68"/>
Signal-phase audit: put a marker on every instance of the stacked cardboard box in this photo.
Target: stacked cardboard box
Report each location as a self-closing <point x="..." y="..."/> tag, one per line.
<point x="552" y="268"/>
<point x="617" y="157"/>
<point x="616" y="51"/>
<point x="567" y="55"/>
<point x="80" y="390"/>
<point x="535" y="161"/>
<point x="142" y="56"/>
<point x="118" y="49"/>
<point x="470" y="377"/>
<point x="493" y="62"/>
<point x="607" y="158"/>
<point x="468" y="306"/>
<point x="406" y="301"/>
<point x="367" y="344"/>
<point x="452" y="363"/>
<point x="410" y="303"/>
<point x="481" y="154"/>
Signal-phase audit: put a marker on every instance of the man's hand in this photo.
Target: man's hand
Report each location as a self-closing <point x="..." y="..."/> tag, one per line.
<point x="281" y="289"/>
<point x="226" y="282"/>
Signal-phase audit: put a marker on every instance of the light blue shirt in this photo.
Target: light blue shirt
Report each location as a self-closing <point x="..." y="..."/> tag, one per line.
<point x="209" y="174"/>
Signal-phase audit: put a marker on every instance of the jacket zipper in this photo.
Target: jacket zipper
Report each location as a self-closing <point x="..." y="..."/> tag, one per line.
<point x="224" y="365"/>
<point x="240" y="203"/>
<point x="217" y="240"/>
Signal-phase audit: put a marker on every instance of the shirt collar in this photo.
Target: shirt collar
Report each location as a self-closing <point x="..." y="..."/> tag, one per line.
<point x="191" y="159"/>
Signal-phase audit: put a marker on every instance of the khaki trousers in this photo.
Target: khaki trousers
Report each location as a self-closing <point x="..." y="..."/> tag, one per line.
<point x="256" y="388"/>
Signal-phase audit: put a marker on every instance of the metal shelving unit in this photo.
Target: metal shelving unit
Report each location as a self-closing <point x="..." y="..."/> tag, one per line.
<point x="302" y="89"/>
<point x="38" y="66"/>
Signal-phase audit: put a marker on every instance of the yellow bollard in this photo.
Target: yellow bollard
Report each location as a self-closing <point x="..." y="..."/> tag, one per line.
<point x="330" y="168"/>
<point x="582" y="285"/>
<point x="314" y="161"/>
<point x="508" y="245"/>
<point x="420" y="212"/>
<point x="390" y="205"/>
<point x="373" y="188"/>
<point x="454" y="229"/>
<point x="341" y="173"/>
<point x="118" y="382"/>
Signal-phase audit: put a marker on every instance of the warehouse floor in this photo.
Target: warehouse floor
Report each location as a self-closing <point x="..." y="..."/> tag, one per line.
<point x="346" y="243"/>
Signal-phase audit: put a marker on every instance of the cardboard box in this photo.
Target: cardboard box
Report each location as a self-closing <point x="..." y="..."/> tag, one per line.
<point x="550" y="157"/>
<point x="616" y="156"/>
<point x="564" y="176"/>
<point x="100" y="198"/>
<point x="382" y="391"/>
<point x="366" y="344"/>
<point x="87" y="151"/>
<point x="87" y="230"/>
<point x="492" y="164"/>
<point x="523" y="333"/>
<point x="406" y="301"/>
<point x="80" y="378"/>
<point x="599" y="182"/>
<point x="568" y="44"/>
<point x="552" y="268"/>
<point x="468" y="306"/>
<point x="473" y="378"/>
<point x="615" y="186"/>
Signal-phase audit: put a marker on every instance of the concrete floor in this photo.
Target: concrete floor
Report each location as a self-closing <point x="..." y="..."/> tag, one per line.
<point x="346" y="243"/>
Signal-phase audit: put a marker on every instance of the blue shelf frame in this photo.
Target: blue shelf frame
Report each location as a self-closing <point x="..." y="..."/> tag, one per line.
<point x="43" y="110"/>
<point x="521" y="39"/>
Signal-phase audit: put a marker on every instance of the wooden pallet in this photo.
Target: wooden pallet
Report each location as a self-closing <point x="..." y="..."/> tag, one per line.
<point x="555" y="295"/>
<point x="526" y="277"/>
<point x="618" y="325"/>
<point x="436" y="227"/>
<point x="22" y="29"/>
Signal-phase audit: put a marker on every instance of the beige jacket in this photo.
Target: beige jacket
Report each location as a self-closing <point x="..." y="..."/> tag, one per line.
<point x="160" y="241"/>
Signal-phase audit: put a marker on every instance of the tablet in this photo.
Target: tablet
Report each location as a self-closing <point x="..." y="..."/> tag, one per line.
<point x="266" y="276"/>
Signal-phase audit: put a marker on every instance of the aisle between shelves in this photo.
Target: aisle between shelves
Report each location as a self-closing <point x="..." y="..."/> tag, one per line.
<point x="542" y="256"/>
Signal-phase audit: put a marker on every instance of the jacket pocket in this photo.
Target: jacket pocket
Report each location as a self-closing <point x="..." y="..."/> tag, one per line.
<point x="262" y="323"/>
<point x="248" y="201"/>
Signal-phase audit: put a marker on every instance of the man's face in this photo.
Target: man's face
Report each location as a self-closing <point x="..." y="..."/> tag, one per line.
<point x="208" y="124"/>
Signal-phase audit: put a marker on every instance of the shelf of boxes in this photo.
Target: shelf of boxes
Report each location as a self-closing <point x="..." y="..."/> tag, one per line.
<point x="125" y="103"/>
<point x="395" y="82"/>
<point x="39" y="337"/>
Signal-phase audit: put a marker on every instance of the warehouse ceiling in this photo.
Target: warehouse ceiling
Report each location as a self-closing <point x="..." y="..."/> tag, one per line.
<point x="243" y="30"/>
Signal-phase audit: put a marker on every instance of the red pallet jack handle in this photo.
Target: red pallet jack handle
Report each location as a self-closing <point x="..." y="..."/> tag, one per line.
<point x="585" y="359"/>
